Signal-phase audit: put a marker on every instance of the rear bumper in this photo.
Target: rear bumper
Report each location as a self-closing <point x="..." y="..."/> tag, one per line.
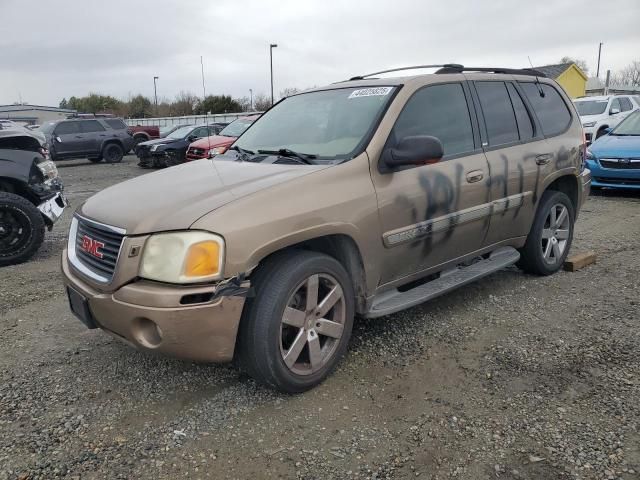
<point x="149" y="316"/>
<point x="613" y="177"/>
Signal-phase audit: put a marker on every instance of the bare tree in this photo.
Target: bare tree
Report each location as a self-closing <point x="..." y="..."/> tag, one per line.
<point x="582" y="64"/>
<point x="184" y="104"/>
<point x="287" y="92"/>
<point x="261" y="102"/>
<point x="629" y="75"/>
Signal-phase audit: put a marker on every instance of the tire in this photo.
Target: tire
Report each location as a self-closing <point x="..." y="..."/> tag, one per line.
<point x="112" y="153"/>
<point x="21" y="229"/>
<point x="548" y="245"/>
<point x="266" y="339"/>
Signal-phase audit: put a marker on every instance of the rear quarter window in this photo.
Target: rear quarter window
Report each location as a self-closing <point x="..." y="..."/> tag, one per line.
<point x="116" y="123"/>
<point x="552" y="112"/>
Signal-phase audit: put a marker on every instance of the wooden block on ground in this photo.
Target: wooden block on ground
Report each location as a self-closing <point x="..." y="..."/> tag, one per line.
<point x="579" y="260"/>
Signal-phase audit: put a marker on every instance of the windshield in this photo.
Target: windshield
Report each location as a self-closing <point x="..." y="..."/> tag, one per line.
<point x="180" y="133"/>
<point x="47" y="127"/>
<point x="629" y="126"/>
<point x="236" y="128"/>
<point x="591" y="107"/>
<point x="330" y="123"/>
<point x="166" y="129"/>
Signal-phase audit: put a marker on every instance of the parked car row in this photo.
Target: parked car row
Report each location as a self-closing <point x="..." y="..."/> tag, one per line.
<point x="603" y="112"/>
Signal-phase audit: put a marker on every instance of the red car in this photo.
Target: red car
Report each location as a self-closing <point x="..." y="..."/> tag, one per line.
<point x="209" y="146"/>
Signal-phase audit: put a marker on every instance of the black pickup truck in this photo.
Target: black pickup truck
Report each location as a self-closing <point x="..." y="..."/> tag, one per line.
<point x="31" y="195"/>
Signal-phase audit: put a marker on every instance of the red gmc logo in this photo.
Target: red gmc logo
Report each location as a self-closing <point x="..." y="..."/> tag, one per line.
<point x="91" y="246"/>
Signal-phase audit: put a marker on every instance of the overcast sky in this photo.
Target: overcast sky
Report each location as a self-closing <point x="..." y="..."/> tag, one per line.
<point x="55" y="49"/>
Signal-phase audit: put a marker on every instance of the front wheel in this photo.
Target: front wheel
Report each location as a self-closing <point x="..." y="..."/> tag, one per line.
<point x="112" y="153"/>
<point x="551" y="234"/>
<point x="297" y="327"/>
<point x="21" y="229"/>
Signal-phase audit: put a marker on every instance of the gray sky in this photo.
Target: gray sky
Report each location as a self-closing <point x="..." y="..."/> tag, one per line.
<point x="55" y="49"/>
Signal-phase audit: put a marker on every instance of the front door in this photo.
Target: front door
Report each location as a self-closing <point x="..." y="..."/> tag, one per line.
<point x="431" y="214"/>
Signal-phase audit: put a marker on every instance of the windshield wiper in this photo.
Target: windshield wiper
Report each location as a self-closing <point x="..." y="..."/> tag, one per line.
<point x="243" y="153"/>
<point x="287" y="152"/>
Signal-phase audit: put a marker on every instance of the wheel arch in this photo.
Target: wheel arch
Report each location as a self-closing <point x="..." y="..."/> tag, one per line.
<point x="144" y="135"/>
<point x="344" y="249"/>
<point x="568" y="184"/>
<point x="111" y="141"/>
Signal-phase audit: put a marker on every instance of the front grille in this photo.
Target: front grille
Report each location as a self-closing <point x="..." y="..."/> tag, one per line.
<point x="108" y="247"/>
<point x="618" y="181"/>
<point x="621" y="163"/>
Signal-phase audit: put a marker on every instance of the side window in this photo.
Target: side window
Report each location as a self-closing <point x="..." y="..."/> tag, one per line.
<point x="201" y="132"/>
<point x="615" y="103"/>
<point x="89" y="126"/>
<point x="66" y="128"/>
<point x="525" y="126"/>
<point x="498" y="112"/>
<point x="440" y="111"/>
<point x="626" y="105"/>
<point x="116" y="123"/>
<point x="552" y="112"/>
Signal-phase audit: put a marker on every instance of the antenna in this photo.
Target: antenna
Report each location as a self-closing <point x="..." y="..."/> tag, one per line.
<point x="206" y="114"/>
<point x="540" y="91"/>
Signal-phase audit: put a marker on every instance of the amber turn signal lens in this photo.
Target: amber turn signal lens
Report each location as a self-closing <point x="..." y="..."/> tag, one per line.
<point x="202" y="259"/>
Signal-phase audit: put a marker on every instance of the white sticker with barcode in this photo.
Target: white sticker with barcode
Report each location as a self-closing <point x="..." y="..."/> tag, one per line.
<point x="370" y="92"/>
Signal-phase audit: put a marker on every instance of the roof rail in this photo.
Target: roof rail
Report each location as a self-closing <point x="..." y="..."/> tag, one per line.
<point x="446" y="65"/>
<point x="512" y="71"/>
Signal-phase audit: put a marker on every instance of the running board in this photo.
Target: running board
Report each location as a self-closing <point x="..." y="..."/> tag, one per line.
<point x="393" y="301"/>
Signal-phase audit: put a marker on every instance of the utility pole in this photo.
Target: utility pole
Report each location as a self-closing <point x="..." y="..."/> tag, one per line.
<point x="251" y="100"/>
<point x="599" y="52"/>
<point x="155" y="94"/>
<point x="271" y="47"/>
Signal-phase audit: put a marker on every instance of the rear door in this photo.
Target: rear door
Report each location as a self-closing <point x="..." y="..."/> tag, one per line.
<point x="513" y="149"/>
<point x="431" y="214"/>
<point x="68" y="138"/>
<point x="94" y="134"/>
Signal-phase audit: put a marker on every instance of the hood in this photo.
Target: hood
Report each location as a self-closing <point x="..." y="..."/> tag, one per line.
<point x="174" y="198"/>
<point x="160" y="141"/>
<point x="213" y="141"/>
<point x="616" y="146"/>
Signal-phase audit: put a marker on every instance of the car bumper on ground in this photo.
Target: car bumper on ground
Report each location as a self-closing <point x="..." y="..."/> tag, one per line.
<point x="628" y="178"/>
<point x="150" y="316"/>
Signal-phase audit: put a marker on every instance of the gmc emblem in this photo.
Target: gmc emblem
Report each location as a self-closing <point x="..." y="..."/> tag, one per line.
<point x="91" y="246"/>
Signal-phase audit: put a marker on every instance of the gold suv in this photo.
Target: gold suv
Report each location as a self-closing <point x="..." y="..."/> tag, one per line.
<point x="364" y="197"/>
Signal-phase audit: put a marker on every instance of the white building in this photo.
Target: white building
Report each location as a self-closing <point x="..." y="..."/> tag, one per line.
<point x="33" y="114"/>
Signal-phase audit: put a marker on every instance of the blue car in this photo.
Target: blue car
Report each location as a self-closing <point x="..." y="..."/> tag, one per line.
<point x="614" y="158"/>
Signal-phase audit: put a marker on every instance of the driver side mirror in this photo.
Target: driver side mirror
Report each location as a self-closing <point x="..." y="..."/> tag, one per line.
<point x="414" y="150"/>
<point x="614" y="111"/>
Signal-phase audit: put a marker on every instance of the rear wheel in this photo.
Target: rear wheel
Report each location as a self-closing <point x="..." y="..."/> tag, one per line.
<point x="112" y="153"/>
<point x="551" y="234"/>
<point x="297" y="327"/>
<point x="21" y="229"/>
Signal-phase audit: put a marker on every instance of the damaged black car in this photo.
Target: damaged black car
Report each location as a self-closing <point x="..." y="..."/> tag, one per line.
<point x="31" y="195"/>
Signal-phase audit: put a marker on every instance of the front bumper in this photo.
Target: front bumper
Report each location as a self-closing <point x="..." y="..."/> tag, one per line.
<point x="52" y="209"/>
<point x="614" y="177"/>
<point x="149" y="316"/>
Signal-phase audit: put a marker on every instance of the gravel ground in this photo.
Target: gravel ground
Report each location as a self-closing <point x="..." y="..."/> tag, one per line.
<point x="513" y="377"/>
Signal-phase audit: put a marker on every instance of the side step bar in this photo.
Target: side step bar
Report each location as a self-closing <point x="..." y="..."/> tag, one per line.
<point x="393" y="301"/>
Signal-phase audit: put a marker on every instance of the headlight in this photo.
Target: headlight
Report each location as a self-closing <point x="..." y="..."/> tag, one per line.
<point x="217" y="151"/>
<point x="155" y="147"/>
<point x="48" y="169"/>
<point x="183" y="257"/>
<point x="589" y="124"/>
<point x="590" y="155"/>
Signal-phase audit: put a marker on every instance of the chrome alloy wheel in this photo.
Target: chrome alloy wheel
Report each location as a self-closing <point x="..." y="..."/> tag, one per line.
<point x="312" y="324"/>
<point x="555" y="234"/>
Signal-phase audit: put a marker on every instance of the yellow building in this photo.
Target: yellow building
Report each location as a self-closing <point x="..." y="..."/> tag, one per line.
<point x="569" y="76"/>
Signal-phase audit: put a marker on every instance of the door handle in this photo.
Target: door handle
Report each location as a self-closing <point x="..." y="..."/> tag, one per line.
<point x="544" y="158"/>
<point x="474" y="176"/>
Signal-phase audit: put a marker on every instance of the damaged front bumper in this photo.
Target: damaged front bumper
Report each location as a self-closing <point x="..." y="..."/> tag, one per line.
<point x="52" y="209"/>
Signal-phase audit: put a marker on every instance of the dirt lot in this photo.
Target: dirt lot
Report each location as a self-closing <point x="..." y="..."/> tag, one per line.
<point x="514" y="377"/>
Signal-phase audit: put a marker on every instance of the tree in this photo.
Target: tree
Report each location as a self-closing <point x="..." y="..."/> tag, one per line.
<point x="218" y="104"/>
<point x="629" y="75"/>
<point x="582" y="64"/>
<point x="63" y="103"/>
<point x="245" y="104"/>
<point x="184" y="104"/>
<point x="139" y="107"/>
<point x="287" y="92"/>
<point x="261" y="102"/>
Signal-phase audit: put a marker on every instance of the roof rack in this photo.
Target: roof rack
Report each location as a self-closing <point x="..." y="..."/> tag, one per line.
<point x="457" y="68"/>
<point x="90" y="115"/>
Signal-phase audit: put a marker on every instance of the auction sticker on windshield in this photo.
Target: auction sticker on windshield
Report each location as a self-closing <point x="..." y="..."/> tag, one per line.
<point x="370" y="92"/>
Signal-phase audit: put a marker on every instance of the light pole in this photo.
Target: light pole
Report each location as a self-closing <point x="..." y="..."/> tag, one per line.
<point x="599" y="52"/>
<point x="271" y="47"/>
<point x="251" y="100"/>
<point x="155" y="94"/>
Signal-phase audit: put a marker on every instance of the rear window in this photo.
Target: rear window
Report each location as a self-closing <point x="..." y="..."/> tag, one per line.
<point x="116" y="123"/>
<point x="552" y="112"/>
